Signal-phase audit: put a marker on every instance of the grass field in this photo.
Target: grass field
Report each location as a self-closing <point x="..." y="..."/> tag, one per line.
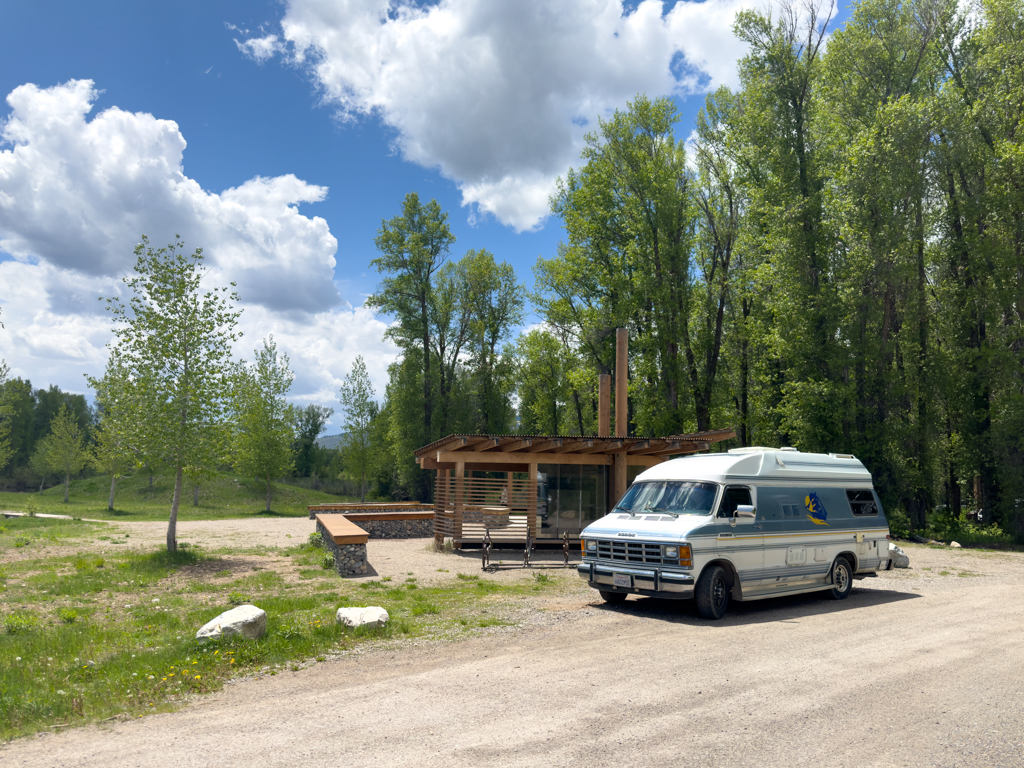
<point x="226" y="495"/>
<point x="87" y="636"/>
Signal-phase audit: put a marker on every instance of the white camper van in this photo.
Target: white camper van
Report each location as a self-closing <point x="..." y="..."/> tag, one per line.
<point x="747" y="524"/>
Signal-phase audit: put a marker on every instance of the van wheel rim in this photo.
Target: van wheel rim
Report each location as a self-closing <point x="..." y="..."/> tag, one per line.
<point x="718" y="595"/>
<point x="842" y="578"/>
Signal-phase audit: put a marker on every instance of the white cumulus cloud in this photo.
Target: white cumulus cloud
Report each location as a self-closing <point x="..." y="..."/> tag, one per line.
<point x="76" y="194"/>
<point x="497" y="94"/>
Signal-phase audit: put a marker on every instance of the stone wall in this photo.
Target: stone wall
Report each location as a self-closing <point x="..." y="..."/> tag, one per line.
<point x="396" y="529"/>
<point x="349" y="559"/>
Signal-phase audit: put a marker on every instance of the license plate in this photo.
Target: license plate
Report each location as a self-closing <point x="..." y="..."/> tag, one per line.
<point x="622" y="580"/>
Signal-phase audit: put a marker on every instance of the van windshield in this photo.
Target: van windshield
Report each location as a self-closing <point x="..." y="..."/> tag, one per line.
<point x="672" y="496"/>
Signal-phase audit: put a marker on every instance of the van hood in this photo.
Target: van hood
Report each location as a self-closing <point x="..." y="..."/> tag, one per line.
<point x="659" y="527"/>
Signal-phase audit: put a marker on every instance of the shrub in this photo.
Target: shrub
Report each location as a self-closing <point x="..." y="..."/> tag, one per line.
<point x="21" y="621"/>
<point x="899" y="523"/>
<point x="67" y="615"/>
<point x="237" y="598"/>
<point x="315" y="540"/>
<point x="327" y="561"/>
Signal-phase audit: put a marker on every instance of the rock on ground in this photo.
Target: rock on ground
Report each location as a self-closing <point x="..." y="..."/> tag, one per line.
<point x="246" y="620"/>
<point x="899" y="557"/>
<point x="362" y="617"/>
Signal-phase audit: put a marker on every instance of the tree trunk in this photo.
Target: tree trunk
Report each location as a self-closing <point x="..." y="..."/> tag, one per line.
<point x="42" y="483"/>
<point x="150" y="481"/>
<point x="110" y="503"/>
<point x="195" y="496"/>
<point x="67" y="484"/>
<point x="362" y="499"/>
<point x="172" y="524"/>
<point x="268" y="493"/>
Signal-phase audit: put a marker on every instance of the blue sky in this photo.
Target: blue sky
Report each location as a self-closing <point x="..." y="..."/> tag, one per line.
<point x="340" y="108"/>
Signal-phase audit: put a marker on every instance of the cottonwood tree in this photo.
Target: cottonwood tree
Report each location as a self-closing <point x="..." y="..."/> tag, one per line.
<point x="360" y="408"/>
<point x="65" y="447"/>
<point x="175" y="342"/>
<point x="413" y="247"/>
<point x="264" y="420"/>
<point x="6" y="412"/>
<point x="309" y="423"/>
<point x="113" y="452"/>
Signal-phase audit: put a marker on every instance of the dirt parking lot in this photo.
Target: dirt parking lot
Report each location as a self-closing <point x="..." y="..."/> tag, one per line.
<point x="922" y="667"/>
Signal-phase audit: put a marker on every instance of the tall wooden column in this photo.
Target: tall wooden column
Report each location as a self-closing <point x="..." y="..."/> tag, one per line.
<point x="531" y="501"/>
<point x="440" y="504"/>
<point x="460" y="475"/>
<point x="621" y="411"/>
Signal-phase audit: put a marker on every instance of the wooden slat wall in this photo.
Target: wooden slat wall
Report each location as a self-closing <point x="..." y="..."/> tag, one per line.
<point x="457" y="507"/>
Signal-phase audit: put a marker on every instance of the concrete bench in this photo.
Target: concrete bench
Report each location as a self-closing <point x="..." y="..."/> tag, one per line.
<point x="346" y="541"/>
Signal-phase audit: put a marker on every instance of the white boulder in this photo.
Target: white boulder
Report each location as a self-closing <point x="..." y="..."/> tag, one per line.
<point x="362" y="617"/>
<point x="955" y="544"/>
<point x="898" y="556"/>
<point x="246" y="620"/>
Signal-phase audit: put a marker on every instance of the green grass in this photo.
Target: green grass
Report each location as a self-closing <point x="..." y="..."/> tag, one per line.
<point x="85" y="638"/>
<point x="224" y="496"/>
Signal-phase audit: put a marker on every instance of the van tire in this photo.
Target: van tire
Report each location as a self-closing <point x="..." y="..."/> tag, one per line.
<point x="842" y="579"/>
<point x="712" y="593"/>
<point x="612" y="598"/>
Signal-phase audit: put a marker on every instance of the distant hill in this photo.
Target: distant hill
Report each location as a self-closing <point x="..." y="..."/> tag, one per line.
<point x="330" y="441"/>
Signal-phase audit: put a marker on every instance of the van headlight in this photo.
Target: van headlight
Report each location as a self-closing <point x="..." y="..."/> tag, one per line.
<point x="592" y="545"/>
<point x="671" y="553"/>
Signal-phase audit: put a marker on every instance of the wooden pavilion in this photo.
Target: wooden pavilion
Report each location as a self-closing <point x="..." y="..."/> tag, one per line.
<point x="513" y="485"/>
<point x="521" y="488"/>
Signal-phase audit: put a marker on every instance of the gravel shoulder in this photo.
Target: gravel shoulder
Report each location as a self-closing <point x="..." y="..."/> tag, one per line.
<point x="923" y="667"/>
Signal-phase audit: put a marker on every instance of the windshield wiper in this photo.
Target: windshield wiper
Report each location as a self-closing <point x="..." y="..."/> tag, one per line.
<point x="660" y="510"/>
<point x="624" y="509"/>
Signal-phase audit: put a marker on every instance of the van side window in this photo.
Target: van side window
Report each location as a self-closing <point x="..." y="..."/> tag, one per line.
<point x="862" y="502"/>
<point x="732" y="498"/>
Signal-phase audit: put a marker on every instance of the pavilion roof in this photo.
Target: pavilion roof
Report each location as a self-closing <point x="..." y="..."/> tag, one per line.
<point x="557" y="449"/>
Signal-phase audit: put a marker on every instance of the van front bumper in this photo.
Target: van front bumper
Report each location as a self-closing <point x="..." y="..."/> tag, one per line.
<point x="654" y="582"/>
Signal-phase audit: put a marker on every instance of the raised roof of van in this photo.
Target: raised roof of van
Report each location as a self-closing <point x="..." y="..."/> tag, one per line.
<point x="762" y="464"/>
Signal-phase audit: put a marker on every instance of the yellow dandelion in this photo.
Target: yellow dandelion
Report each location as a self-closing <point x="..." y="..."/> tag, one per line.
<point x="198" y="677"/>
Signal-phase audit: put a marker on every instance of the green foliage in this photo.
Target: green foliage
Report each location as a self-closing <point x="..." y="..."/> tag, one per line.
<point x="6" y="416"/>
<point x="175" y="345"/>
<point x="67" y="615"/>
<point x="264" y="420"/>
<point x="309" y="423"/>
<point x="19" y="622"/>
<point x="64" y="448"/>
<point x="114" y="452"/>
<point x="360" y="409"/>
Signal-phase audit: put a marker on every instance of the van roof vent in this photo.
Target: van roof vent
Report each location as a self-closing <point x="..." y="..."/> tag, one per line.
<point x="842" y="456"/>
<point x="787" y="448"/>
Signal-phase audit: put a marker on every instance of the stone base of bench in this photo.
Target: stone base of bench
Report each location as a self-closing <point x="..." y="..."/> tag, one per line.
<point x="349" y="557"/>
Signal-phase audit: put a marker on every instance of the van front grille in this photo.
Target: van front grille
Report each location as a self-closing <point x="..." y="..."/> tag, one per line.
<point x="620" y="551"/>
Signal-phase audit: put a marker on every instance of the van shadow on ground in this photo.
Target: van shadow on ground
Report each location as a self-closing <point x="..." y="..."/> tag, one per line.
<point x="774" y="609"/>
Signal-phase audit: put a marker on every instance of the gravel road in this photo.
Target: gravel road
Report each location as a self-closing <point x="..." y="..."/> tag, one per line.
<point x="917" y="668"/>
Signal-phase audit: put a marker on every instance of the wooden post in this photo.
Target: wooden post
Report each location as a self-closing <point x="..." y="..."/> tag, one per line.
<point x="440" y="500"/>
<point x="604" y="405"/>
<point x="621" y="377"/>
<point x="618" y="478"/>
<point x="531" y="502"/>
<point x="460" y="472"/>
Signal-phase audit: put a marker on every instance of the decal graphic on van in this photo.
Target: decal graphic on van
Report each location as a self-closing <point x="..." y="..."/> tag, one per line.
<point x="818" y="514"/>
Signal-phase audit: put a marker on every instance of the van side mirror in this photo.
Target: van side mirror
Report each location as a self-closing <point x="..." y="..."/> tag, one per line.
<point x="745" y="510"/>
